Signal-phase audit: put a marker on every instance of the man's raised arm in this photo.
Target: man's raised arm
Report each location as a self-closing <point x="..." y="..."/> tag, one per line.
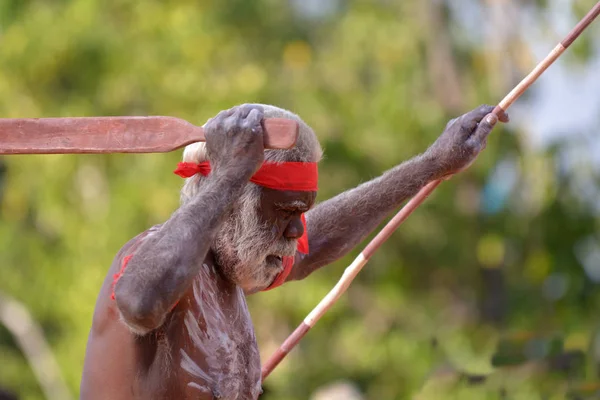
<point x="164" y="265"/>
<point x="337" y="225"/>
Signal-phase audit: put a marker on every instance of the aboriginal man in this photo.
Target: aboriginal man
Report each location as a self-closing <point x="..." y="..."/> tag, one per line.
<point x="171" y="320"/>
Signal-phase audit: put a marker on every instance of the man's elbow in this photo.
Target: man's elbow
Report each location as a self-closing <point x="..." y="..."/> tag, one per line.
<point x="141" y="314"/>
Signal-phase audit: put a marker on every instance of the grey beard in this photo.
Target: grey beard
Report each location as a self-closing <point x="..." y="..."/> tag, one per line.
<point x="243" y="243"/>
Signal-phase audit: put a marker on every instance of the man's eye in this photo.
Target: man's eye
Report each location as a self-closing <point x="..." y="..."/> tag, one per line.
<point x="287" y="213"/>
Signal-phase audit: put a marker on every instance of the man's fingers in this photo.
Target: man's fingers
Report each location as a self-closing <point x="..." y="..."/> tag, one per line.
<point x="225" y="114"/>
<point x="244" y="110"/>
<point x="254" y="118"/>
<point x="218" y="120"/>
<point x="470" y="120"/>
<point x="503" y="116"/>
<point x="483" y="130"/>
<point x="480" y="112"/>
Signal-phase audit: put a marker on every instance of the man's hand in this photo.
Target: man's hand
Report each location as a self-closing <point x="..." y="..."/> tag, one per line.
<point x="462" y="140"/>
<point x="234" y="141"/>
<point x="166" y="262"/>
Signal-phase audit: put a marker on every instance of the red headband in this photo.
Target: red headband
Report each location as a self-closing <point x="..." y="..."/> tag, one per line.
<point x="297" y="176"/>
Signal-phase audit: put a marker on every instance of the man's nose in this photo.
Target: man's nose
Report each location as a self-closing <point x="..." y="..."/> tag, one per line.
<point x="294" y="229"/>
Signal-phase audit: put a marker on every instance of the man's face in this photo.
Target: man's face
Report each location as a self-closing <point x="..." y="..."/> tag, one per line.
<point x="264" y="226"/>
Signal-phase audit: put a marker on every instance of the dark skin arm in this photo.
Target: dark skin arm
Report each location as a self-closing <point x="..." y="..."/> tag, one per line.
<point x="165" y="264"/>
<point x="339" y="224"/>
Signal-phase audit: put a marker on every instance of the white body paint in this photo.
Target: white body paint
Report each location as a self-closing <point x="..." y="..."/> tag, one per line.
<point x="221" y="355"/>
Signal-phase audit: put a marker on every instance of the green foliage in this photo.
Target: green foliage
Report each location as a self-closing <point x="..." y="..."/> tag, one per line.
<point x="438" y="313"/>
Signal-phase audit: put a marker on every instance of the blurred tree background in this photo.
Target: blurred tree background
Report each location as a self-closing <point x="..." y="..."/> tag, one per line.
<point x="489" y="291"/>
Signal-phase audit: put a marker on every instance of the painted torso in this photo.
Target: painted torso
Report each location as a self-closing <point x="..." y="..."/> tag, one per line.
<point x="206" y="349"/>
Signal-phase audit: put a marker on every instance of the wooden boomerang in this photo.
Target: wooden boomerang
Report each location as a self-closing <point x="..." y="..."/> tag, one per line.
<point x="119" y="135"/>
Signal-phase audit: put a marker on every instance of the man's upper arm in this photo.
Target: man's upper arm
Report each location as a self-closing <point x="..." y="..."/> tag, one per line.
<point x="106" y="310"/>
<point x="118" y="267"/>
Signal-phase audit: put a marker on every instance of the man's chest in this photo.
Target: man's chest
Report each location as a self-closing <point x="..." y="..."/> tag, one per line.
<point x="212" y="342"/>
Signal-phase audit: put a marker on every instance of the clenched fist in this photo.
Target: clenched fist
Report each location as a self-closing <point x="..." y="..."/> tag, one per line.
<point x="234" y="141"/>
<point x="462" y="140"/>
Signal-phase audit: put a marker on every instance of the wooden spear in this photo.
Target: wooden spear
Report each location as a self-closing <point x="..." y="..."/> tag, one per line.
<point x="354" y="268"/>
<point x="155" y="134"/>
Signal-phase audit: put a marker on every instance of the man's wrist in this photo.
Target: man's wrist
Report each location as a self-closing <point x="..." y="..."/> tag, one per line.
<point x="218" y="193"/>
<point x="229" y="178"/>
<point x="431" y="166"/>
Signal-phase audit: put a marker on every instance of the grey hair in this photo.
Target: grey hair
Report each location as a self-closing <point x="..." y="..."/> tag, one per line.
<point x="307" y="149"/>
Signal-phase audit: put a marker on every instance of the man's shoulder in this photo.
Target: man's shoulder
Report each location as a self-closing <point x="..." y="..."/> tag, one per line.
<point x="129" y="247"/>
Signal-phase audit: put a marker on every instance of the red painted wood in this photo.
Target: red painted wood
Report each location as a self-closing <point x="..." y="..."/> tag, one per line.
<point x="580" y="27"/>
<point x="284" y="349"/>
<point x="118" y="135"/>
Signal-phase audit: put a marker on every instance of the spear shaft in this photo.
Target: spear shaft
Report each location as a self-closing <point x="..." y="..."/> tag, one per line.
<point x="352" y="271"/>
